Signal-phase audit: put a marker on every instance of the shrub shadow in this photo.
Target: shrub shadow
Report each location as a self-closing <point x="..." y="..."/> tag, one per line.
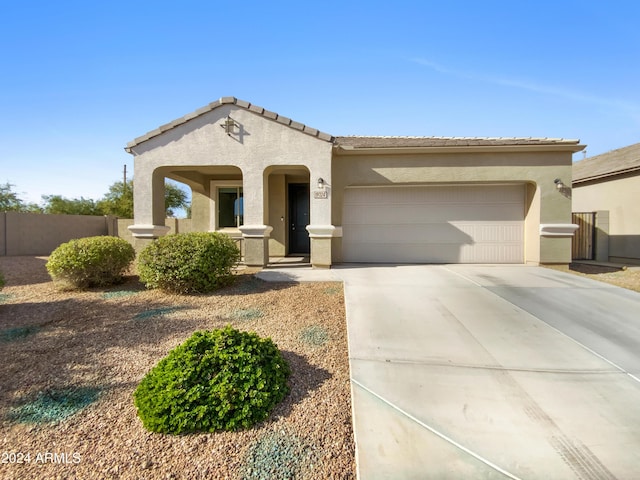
<point x="20" y="271"/>
<point x="247" y="284"/>
<point x="305" y="378"/>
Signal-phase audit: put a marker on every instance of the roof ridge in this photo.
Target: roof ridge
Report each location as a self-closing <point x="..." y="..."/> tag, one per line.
<point x="314" y="132"/>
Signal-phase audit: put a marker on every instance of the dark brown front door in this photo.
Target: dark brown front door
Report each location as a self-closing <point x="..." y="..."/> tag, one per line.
<point x="298" y="218"/>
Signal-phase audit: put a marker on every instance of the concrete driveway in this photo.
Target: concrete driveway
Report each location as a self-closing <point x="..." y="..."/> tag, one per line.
<point x="485" y="372"/>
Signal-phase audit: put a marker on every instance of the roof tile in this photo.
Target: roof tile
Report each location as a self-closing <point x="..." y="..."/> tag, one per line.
<point x="607" y="164"/>
<point x="408" y="142"/>
<point x="230" y="101"/>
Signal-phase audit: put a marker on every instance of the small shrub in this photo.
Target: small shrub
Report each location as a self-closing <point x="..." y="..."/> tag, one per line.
<point x="1" y="281"/>
<point x="54" y="405"/>
<point x="155" y="312"/>
<point x="314" y="335"/>
<point x="17" y="333"/>
<point x="217" y="380"/>
<point x="246" y="314"/>
<point x="91" y="261"/>
<point x="196" y="262"/>
<point x="277" y="455"/>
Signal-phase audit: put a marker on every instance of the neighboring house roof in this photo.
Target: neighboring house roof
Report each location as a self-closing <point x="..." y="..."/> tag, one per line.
<point x="371" y="144"/>
<point x="615" y="162"/>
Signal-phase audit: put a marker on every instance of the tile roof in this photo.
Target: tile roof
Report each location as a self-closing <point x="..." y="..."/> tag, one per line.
<point x="360" y="142"/>
<point x="396" y="142"/>
<point x="615" y="162"/>
<point x="231" y="101"/>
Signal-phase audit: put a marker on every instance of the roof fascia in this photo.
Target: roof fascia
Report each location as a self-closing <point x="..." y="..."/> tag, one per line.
<point x="606" y="175"/>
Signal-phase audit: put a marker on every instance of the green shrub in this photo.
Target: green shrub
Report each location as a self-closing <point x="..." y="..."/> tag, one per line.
<point x="217" y="380"/>
<point x="90" y="261"/>
<point x="196" y="262"/>
<point x="1" y="281"/>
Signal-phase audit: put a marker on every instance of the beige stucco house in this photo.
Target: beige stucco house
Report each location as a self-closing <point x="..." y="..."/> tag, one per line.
<point x="286" y="188"/>
<point x="609" y="184"/>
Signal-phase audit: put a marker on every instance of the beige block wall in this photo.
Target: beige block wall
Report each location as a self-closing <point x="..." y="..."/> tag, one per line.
<point x="40" y="234"/>
<point x="618" y="196"/>
<point x="535" y="169"/>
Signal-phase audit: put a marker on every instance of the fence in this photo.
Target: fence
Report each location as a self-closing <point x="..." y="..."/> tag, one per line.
<point x="39" y="234"/>
<point x="582" y="243"/>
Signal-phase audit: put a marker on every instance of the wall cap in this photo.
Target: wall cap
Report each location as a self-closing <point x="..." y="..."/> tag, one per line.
<point x="558" y="229"/>
<point x="324" y="231"/>
<point x="256" y="231"/>
<point x="148" y="231"/>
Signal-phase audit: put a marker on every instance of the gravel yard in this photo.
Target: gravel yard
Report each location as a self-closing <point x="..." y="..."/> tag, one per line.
<point x="71" y="361"/>
<point x="628" y="278"/>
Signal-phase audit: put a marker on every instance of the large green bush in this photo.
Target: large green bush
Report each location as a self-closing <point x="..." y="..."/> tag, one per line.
<point x="196" y="262"/>
<point x="217" y="380"/>
<point x="90" y="261"/>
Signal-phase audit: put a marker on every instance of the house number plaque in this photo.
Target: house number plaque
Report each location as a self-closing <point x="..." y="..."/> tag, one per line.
<point x="320" y="194"/>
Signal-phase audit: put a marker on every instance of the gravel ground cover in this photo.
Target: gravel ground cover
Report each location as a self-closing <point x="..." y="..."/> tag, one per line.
<point x="628" y="278"/>
<point x="71" y="361"/>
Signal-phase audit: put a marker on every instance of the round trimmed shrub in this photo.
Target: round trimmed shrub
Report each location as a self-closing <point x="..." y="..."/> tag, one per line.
<point x="217" y="380"/>
<point x="195" y="262"/>
<point x="91" y="261"/>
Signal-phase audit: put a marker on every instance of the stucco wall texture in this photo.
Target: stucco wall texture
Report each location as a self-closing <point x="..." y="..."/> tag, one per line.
<point x="39" y="234"/>
<point x="619" y="196"/>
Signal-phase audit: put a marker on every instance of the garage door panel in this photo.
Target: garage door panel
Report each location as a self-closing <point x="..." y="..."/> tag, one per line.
<point x="422" y="213"/>
<point x="409" y="253"/>
<point x="435" y="194"/>
<point x="410" y="234"/>
<point x="434" y="224"/>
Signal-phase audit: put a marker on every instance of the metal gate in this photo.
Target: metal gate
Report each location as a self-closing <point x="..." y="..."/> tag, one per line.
<point x="582" y="242"/>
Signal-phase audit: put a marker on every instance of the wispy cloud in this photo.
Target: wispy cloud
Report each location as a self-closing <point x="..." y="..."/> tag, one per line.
<point x="632" y="108"/>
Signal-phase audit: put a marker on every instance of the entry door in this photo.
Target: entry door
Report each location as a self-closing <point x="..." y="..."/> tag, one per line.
<point x="298" y="218"/>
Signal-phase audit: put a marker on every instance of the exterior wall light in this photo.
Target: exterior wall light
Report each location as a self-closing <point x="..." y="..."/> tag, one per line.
<point x="321" y="183"/>
<point x="229" y="125"/>
<point x="559" y="184"/>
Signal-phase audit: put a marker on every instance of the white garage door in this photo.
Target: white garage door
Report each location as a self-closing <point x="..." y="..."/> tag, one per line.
<point x="434" y="224"/>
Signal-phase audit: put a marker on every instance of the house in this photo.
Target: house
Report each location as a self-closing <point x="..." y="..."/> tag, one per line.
<point x="286" y="188"/>
<point x="609" y="184"/>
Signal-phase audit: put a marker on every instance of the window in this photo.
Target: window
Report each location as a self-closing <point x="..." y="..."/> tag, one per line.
<point x="230" y="207"/>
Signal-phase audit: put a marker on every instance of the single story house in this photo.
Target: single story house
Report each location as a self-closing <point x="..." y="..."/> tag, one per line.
<point x="286" y="188"/>
<point x="609" y="184"/>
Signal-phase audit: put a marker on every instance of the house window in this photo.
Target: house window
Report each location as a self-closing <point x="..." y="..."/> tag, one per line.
<point x="230" y="207"/>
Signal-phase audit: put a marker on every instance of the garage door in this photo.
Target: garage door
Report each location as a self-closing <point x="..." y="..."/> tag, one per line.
<point x="434" y="224"/>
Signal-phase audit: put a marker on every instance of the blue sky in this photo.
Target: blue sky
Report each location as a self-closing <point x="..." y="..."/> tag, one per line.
<point x="80" y="79"/>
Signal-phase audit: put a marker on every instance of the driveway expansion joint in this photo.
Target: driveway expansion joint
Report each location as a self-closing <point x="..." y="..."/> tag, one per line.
<point x="502" y="368"/>
<point x="437" y="433"/>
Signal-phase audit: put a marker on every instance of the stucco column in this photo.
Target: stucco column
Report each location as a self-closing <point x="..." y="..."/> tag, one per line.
<point x="321" y="240"/>
<point x="254" y="231"/>
<point x="148" y="204"/>
<point x="320" y="229"/>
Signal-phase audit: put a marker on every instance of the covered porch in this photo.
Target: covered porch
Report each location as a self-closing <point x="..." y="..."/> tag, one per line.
<point x="262" y="179"/>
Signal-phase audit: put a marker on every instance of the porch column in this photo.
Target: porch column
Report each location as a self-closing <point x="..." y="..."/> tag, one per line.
<point x="254" y="231"/>
<point x="321" y="231"/>
<point x="148" y="205"/>
<point x="321" y="240"/>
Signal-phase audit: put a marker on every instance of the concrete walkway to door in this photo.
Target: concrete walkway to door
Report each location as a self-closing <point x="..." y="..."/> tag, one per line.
<point x="487" y="371"/>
